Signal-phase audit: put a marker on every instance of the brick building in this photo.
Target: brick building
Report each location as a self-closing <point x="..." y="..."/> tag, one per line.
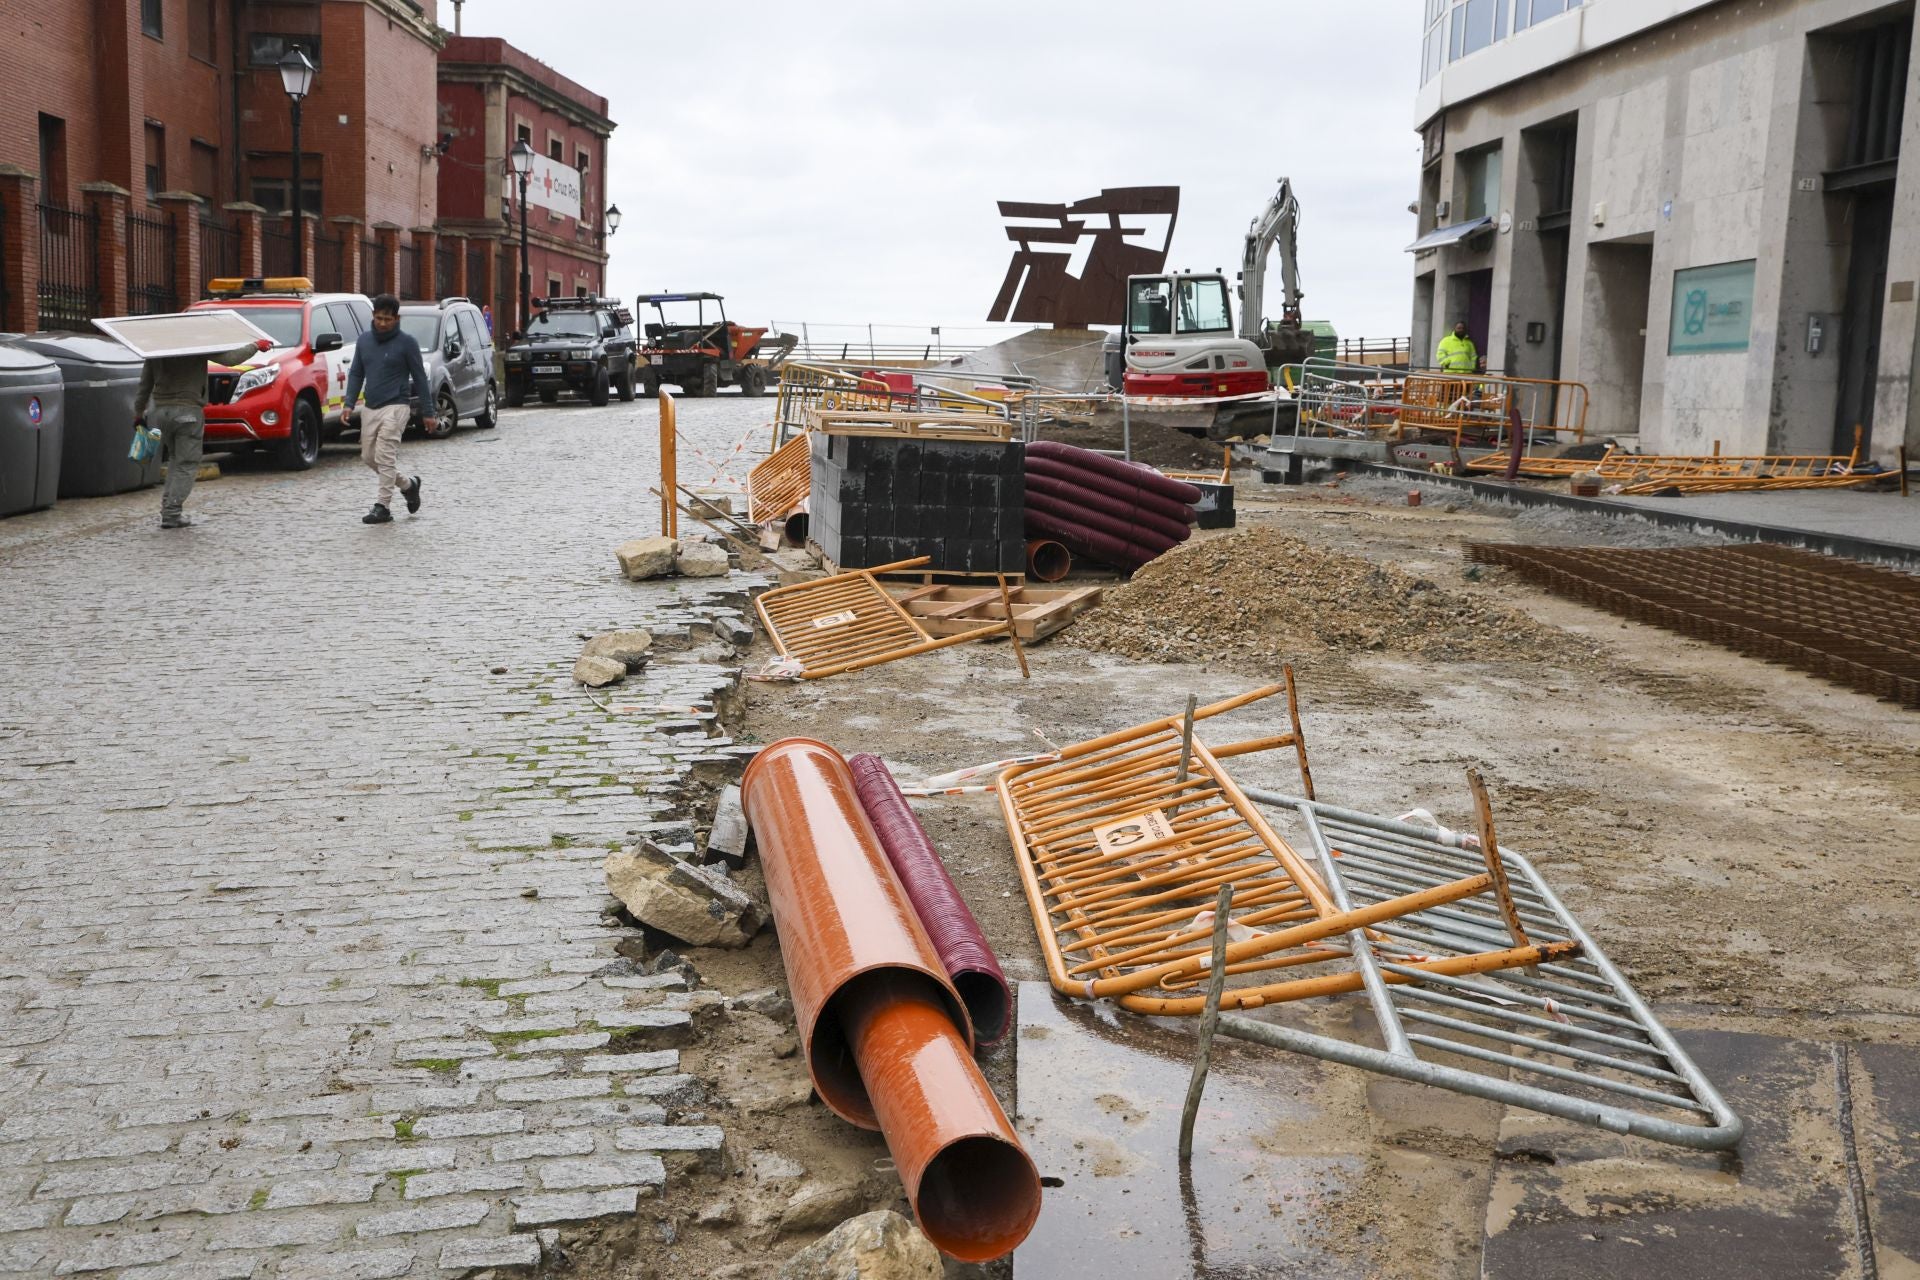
<point x="490" y="95"/>
<point x="146" y="146"/>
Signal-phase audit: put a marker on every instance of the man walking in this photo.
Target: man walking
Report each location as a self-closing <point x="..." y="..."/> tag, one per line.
<point x="388" y="364"/>
<point x="1457" y="354"/>
<point x="172" y="400"/>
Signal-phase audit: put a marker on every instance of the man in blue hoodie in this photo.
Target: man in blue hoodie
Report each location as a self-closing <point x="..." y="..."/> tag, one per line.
<point x="388" y="364"/>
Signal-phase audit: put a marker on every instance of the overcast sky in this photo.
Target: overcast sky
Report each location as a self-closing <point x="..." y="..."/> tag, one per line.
<point x="837" y="161"/>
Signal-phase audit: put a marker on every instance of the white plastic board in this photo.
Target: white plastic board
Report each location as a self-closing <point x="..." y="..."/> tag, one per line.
<point x="183" y="333"/>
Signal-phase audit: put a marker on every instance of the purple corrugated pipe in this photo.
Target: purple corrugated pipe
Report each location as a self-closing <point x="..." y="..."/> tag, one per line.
<point x="955" y="933"/>
<point x="1149" y="540"/>
<point x="1138" y="473"/>
<point x="1089" y="544"/>
<point x="1073" y="495"/>
<point x="1119" y="490"/>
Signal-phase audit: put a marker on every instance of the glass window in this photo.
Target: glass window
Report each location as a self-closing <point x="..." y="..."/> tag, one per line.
<point x="1479" y="25"/>
<point x="1457" y="33"/>
<point x="424" y="329"/>
<point x="285" y="325"/>
<point x="1500" y="19"/>
<point x="1150" y="307"/>
<point x="569" y="324"/>
<point x="344" y="322"/>
<point x="266" y="48"/>
<point x="150" y="18"/>
<point x="1203" y="307"/>
<point x="470" y="329"/>
<point x="1476" y="183"/>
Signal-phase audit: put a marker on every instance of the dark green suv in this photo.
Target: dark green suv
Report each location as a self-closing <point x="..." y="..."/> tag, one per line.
<point x="582" y="345"/>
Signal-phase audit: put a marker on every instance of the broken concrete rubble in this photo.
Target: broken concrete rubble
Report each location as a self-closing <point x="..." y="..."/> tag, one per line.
<point x="817" y="1203"/>
<point x="702" y="560"/>
<point x="597" y="672"/>
<point x="681" y="900"/>
<point x="874" y="1246"/>
<point x="631" y="648"/>
<point x="646" y="557"/>
<point x="727" y="842"/>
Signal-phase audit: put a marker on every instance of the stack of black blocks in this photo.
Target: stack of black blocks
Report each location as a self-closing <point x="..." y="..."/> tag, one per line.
<point x="881" y="499"/>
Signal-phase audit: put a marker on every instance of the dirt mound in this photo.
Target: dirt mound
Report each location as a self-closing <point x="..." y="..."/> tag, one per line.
<point x="1154" y="443"/>
<point x="1258" y="596"/>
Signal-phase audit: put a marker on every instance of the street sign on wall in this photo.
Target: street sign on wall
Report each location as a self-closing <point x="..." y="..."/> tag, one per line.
<point x="1712" y="309"/>
<point x="555" y="186"/>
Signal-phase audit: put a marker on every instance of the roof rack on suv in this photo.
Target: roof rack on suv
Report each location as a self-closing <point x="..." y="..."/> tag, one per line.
<point x="561" y="302"/>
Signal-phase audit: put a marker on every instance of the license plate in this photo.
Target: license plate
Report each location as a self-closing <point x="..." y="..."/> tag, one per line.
<point x="546" y="368"/>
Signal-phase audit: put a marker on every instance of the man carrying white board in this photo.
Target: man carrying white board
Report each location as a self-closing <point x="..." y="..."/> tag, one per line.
<point x="172" y="400"/>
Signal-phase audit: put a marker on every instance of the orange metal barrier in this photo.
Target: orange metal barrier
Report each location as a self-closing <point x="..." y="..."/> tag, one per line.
<point x="848" y="621"/>
<point x="1124" y="842"/>
<point x="669" y="469"/>
<point x="884" y="1033"/>
<point x="781" y="481"/>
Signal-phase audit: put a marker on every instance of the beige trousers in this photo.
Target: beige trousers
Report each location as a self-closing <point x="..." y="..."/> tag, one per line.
<point x="380" y="432"/>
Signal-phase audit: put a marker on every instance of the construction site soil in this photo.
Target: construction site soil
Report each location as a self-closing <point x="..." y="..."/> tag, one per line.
<point x="1154" y="443"/>
<point x="1742" y="839"/>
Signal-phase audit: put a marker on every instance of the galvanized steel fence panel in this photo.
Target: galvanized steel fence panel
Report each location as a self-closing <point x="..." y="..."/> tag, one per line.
<point x="69" y="283"/>
<point x="150" y="266"/>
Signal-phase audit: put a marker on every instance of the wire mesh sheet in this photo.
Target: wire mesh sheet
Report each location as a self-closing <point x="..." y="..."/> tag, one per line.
<point x="185" y="333"/>
<point x="1569" y="1036"/>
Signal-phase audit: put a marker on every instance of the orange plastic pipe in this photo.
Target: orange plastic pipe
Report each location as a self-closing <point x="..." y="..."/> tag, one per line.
<point x="885" y="1035"/>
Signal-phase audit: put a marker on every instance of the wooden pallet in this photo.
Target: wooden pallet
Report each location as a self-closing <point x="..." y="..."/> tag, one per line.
<point x="918" y="425"/>
<point x="1038" y="612"/>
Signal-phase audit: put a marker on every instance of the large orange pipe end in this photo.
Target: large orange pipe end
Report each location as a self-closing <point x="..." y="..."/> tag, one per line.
<point x="886" y="1036"/>
<point x="972" y="1186"/>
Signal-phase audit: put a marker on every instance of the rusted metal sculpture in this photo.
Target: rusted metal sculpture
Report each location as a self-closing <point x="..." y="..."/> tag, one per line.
<point x="1041" y="285"/>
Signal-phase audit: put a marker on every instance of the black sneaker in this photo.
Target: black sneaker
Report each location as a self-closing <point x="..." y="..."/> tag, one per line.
<point x="412" y="494"/>
<point x="177" y="522"/>
<point x="379" y="515"/>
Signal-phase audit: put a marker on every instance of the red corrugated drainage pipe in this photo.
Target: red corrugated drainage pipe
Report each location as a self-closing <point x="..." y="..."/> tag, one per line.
<point x="956" y="935"/>
<point x="885" y="1034"/>
<point x="1116" y="508"/>
<point x="1120" y="490"/>
<point x="1089" y="543"/>
<point x="1047" y="560"/>
<point x="1118" y="468"/>
<point x="1152" y="540"/>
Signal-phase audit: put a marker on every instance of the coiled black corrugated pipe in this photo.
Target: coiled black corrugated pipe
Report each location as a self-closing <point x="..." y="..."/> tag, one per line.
<point x="956" y="935"/>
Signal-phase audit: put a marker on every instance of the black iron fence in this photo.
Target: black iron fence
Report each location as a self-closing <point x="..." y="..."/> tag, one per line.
<point x="373" y="267"/>
<point x="506" y="272"/>
<point x="5" y="248"/>
<point x="329" y="261"/>
<point x="69" y="253"/>
<point x="151" y="250"/>
<point x="446" y="269"/>
<point x="221" y="254"/>
<point x="277" y="257"/>
<point x="409" y="272"/>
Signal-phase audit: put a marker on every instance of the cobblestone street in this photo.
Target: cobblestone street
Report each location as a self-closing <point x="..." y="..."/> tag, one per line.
<point x="303" y="891"/>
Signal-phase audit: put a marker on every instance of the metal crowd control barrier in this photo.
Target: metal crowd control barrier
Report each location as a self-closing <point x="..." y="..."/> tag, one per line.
<point x="803" y="388"/>
<point x="1359" y="400"/>
<point x="848" y="621"/>
<point x="1570" y="1037"/>
<point x="1125" y="842"/>
<point x="780" y="481"/>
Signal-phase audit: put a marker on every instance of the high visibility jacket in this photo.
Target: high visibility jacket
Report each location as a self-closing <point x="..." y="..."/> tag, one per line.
<point x="1457" y="355"/>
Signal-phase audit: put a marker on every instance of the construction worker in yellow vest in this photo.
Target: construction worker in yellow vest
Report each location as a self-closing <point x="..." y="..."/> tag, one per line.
<point x="1457" y="354"/>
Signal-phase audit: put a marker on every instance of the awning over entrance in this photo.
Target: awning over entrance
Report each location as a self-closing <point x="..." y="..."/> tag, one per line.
<point x="1439" y="236"/>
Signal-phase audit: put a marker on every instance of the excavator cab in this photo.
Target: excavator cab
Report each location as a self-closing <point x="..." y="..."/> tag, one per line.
<point x="1180" y="340"/>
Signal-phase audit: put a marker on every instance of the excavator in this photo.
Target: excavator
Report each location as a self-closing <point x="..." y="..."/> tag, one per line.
<point x="1180" y="340"/>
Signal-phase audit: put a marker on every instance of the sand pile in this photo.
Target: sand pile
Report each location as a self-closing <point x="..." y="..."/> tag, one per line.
<point x="1258" y="596"/>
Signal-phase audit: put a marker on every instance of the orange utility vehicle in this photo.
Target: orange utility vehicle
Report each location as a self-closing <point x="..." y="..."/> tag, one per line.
<point x="703" y="353"/>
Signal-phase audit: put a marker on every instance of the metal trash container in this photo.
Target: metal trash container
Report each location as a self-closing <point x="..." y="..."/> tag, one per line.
<point x="31" y="413"/>
<point x="101" y="377"/>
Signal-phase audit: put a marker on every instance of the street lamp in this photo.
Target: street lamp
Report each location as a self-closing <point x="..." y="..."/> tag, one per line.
<point x="521" y="158"/>
<point x="613" y="218"/>
<point x="296" y="74"/>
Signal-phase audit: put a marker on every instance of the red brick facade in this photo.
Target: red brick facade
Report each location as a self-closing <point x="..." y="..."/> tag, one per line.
<point x="99" y="92"/>
<point x="489" y="92"/>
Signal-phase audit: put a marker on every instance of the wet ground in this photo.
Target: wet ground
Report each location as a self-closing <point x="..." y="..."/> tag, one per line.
<point x="1742" y="840"/>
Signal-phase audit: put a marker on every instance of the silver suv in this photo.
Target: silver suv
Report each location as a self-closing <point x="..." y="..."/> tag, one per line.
<point x="458" y="350"/>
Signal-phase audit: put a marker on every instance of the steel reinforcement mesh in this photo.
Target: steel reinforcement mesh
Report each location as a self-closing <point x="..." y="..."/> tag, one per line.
<point x="1848" y="622"/>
